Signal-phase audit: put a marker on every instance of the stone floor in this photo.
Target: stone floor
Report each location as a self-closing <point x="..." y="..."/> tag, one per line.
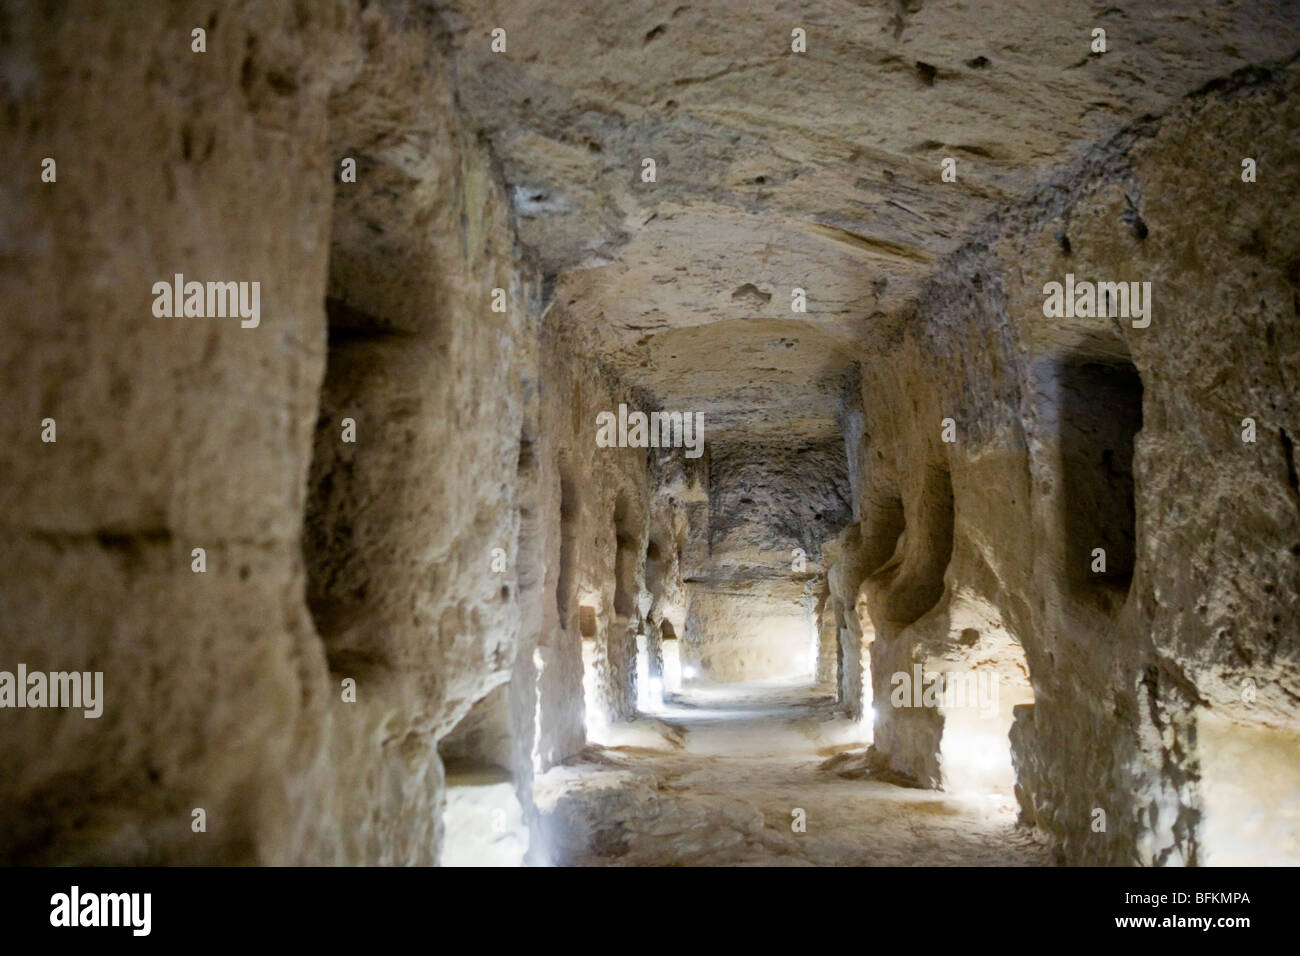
<point x="717" y="777"/>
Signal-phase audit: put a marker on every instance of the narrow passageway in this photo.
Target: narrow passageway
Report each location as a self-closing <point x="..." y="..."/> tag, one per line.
<point x="530" y="432"/>
<point x="763" y="773"/>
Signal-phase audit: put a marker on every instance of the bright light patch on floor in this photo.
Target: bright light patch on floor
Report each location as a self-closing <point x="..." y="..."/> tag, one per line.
<point x="1250" y="794"/>
<point x="977" y="762"/>
<point x="672" y="667"/>
<point x="649" y="691"/>
<point x="483" y="824"/>
<point x="656" y="693"/>
<point x="596" y="722"/>
<point x="596" y="726"/>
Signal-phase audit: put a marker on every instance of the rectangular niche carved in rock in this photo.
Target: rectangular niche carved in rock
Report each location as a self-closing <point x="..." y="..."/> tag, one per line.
<point x="1100" y="416"/>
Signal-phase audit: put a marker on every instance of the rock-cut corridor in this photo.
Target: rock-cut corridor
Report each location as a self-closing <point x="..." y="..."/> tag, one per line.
<point x="585" y="433"/>
<point x="763" y="774"/>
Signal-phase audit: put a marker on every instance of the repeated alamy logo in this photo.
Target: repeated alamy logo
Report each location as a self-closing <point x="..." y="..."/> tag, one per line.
<point x="656" y="430"/>
<point x="977" y="690"/>
<point x="208" y="300"/>
<point x="55" y="689"/>
<point x="1086" y="300"/>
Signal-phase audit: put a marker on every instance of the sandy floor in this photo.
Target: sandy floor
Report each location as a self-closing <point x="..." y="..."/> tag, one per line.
<point x="716" y="778"/>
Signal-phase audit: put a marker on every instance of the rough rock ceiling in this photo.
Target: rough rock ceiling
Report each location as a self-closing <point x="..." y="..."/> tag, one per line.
<point x="817" y="170"/>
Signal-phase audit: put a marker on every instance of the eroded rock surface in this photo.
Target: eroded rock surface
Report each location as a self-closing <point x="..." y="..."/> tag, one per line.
<point x="412" y="549"/>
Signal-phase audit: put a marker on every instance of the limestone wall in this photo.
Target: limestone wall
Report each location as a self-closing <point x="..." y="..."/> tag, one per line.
<point x="223" y="689"/>
<point x="1131" y="441"/>
<point x="303" y="550"/>
<point x="596" y="505"/>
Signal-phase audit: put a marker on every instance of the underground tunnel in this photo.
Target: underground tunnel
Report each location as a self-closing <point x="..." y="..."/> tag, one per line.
<point x="663" y="438"/>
